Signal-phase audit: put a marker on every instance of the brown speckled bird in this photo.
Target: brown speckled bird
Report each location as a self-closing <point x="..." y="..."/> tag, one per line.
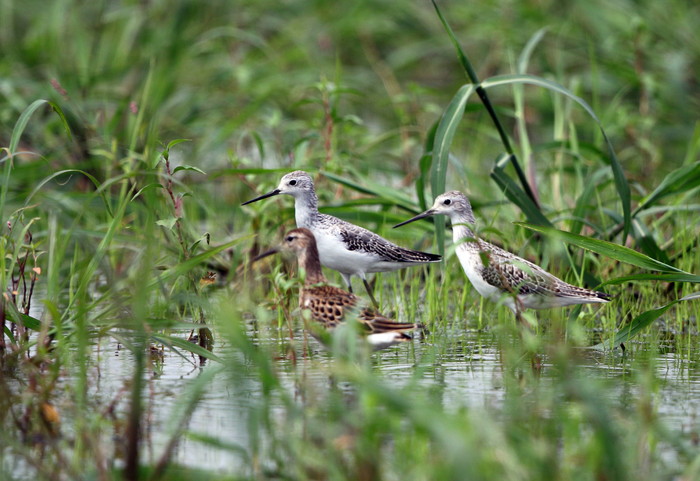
<point x="330" y="305"/>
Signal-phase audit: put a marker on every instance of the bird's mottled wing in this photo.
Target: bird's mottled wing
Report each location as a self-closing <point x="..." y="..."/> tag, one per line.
<point x="328" y="304"/>
<point x="362" y="240"/>
<point x="505" y="271"/>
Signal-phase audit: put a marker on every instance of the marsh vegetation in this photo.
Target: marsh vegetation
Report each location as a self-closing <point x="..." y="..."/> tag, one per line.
<point x="138" y="341"/>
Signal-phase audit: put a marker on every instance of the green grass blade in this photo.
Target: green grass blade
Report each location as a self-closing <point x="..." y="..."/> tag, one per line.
<point x="473" y="77"/>
<point x="680" y="180"/>
<point x="368" y="186"/>
<point x="621" y="184"/>
<point x="524" y="58"/>
<point x="184" y="344"/>
<point x="643" y="320"/>
<point x="605" y="248"/>
<point x="466" y="64"/>
<point x="515" y="194"/>
<point x="675" y="277"/>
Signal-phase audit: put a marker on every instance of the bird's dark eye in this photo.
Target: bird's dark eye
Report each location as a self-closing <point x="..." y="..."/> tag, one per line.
<point x="447" y="202"/>
<point x="289" y="238"/>
<point x="292" y="182"/>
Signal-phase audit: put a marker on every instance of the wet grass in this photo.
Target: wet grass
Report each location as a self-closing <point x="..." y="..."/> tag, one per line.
<point x="114" y="228"/>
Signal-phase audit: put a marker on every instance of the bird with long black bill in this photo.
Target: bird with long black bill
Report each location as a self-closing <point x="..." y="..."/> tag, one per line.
<point x="499" y="275"/>
<point x="342" y="246"/>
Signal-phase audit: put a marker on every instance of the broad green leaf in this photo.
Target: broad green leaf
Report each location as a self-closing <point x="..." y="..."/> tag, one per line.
<point x="441" y="152"/>
<point x="605" y="248"/>
<point x="189" y="167"/>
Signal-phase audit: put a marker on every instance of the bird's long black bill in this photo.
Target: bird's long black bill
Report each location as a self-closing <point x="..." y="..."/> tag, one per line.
<point x="425" y="214"/>
<point x="264" y="196"/>
<point x="264" y="254"/>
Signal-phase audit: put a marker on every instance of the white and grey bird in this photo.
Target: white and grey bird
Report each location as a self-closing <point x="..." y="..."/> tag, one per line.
<point x="499" y="275"/>
<point x="344" y="247"/>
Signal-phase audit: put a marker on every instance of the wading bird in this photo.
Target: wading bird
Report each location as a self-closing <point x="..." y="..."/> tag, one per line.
<point x="342" y="246"/>
<point x="498" y="274"/>
<point x="329" y="305"/>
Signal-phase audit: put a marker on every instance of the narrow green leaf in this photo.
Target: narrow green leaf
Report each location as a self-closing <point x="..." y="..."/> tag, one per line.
<point x="23" y="120"/>
<point x="193" y="262"/>
<point x="370" y="187"/>
<point x="424" y="164"/>
<point x="675" y="277"/>
<point x="605" y="248"/>
<point x="92" y="178"/>
<point x="9" y="334"/>
<point x="184" y="344"/>
<point x="644" y="239"/>
<point x="463" y="60"/>
<point x="152" y="185"/>
<point x="680" y="180"/>
<point x="173" y="143"/>
<point x="524" y="58"/>
<point x="247" y="171"/>
<point x="645" y="319"/>
<point x="20" y="318"/>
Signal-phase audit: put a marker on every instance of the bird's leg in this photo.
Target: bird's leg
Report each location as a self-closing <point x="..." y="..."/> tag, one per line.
<point x="371" y="295"/>
<point x="348" y="281"/>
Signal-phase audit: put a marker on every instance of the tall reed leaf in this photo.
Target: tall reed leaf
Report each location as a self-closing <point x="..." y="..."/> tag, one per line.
<point x="441" y="152"/>
<point x="605" y="248"/>
<point x="471" y="74"/>
<point x="621" y="184"/>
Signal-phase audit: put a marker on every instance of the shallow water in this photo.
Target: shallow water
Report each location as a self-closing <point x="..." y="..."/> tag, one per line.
<point x="469" y="374"/>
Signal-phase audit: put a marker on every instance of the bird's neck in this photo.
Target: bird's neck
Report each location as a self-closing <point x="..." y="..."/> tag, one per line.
<point x="310" y="262"/>
<point x="462" y="227"/>
<point x="305" y="208"/>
